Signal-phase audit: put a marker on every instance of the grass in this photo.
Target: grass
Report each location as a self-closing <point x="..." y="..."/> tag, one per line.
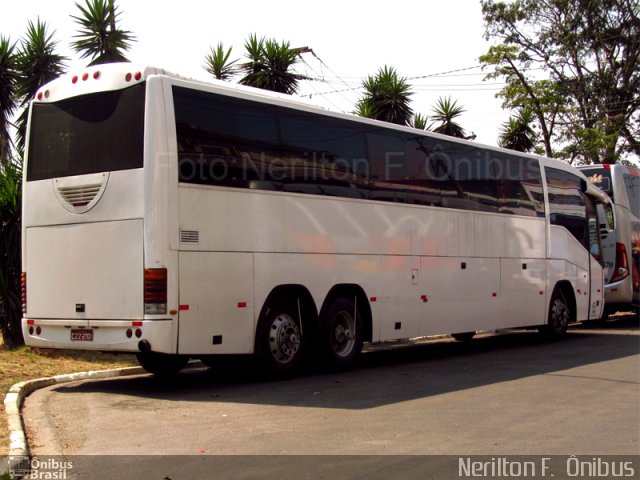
<point x="26" y="363"/>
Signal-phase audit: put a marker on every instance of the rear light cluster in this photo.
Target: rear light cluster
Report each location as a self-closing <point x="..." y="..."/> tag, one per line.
<point x="155" y="291"/>
<point x="33" y="328"/>
<point x="621" y="270"/>
<point x="23" y="290"/>
<point x="138" y="331"/>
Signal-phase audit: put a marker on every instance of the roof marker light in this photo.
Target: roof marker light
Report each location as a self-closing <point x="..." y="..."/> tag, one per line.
<point x="46" y="94"/>
<point x="138" y="76"/>
<point x="39" y="96"/>
<point x="127" y="77"/>
<point x="74" y="79"/>
<point x="96" y="74"/>
<point x="85" y="75"/>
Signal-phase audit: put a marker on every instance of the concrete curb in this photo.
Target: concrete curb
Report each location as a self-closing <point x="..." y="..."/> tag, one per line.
<point x="18" y="446"/>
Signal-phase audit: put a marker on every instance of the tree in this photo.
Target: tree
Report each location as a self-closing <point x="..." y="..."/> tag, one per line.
<point x="446" y="112"/>
<point x="99" y="38"/>
<point x="8" y="102"/>
<point x="217" y="63"/>
<point x="386" y="97"/>
<point x="270" y="65"/>
<point x="419" y="121"/>
<point x="576" y="64"/>
<point x="517" y="132"/>
<point x="37" y="63"/>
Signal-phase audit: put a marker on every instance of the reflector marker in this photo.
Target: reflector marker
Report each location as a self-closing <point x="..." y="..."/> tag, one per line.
<point x="184" y="307"/>
<point x="31" y="322"/>
<point x="541" y="292"/>
<point x="424" y="298"/>
<point x="136" y="324"/>
<point x="494" y="294"/>
<point x="242" y="304"/>
<point x="373" y="299"/>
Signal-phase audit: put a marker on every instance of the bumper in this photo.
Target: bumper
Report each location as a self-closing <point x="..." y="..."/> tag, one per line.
<point x="619" y="293"/>
<point x="108" y="335"/>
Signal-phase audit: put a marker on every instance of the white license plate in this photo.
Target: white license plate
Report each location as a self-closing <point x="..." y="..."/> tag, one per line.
<point x="82" y="335"/>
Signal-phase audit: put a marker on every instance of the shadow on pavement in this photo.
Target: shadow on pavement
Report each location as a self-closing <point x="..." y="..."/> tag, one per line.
<point x="389" y="375"/>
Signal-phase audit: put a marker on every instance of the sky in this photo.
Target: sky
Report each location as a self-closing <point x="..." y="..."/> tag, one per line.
<point x="353" y="39"/>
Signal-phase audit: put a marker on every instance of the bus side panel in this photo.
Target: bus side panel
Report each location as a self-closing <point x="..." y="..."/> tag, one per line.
<point x="523" y="299"/>
<point x="216" y="303"/>
<point x="596" y="289"/>
<point x="462" y="294"/>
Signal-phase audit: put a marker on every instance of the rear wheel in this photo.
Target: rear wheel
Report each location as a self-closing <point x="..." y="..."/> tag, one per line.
<point x="560" y="315"/>
<point x="464" y="336"/>
<point x="161" y="364"/>
<point x="342" y="336"/>
<point x="281" y="340"/>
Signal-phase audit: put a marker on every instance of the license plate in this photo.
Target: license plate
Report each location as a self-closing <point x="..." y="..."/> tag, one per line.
<point x="83" y="335"/>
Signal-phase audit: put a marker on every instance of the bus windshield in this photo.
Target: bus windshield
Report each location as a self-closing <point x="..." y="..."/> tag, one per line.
<point x="99" y="132"/>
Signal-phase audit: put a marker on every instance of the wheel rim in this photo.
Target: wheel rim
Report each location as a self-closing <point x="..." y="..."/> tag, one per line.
<point x="284" y="338"/>
<point x="343" y="334"/>
<point x="560" y="314"/>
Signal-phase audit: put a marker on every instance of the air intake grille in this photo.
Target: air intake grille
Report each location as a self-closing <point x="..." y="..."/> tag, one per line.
<point x="81" y="195"/>
<point x="189" y="236"/>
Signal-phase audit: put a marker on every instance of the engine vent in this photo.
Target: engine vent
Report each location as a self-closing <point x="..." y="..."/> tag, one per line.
<point x="189" y="236"/>
<point x="81" y="195"/>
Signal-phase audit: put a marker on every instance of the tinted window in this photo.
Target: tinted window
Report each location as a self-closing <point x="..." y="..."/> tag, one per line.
<point x="93" y="133"/>
<point x="567" y="203"/>
<point x="632" y="186"/>
<point x="246" y="144"/>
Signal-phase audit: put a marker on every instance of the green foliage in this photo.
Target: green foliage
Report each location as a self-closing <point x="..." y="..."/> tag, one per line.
<point x="419" y="121"/>
<point x="517" y="133"/>
<point x="576" y="64"/>
<point x="10" y="260"/>
<point x="8" y="102"/>
<point x="217" y="63"/>
<point x="37" y="64"/>
<point x="270" y="65"/>
<point x="99" y="37"/>
<point x="446" y="112"/>
<point x="386" y="97"/>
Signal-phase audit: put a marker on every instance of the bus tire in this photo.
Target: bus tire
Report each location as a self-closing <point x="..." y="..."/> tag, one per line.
<point x="282" y="342"/>
<point x="464" y="336"/>
<point x="560" y="315"/>
<point x="343" y="335"/>
<point x="161" y="364"/>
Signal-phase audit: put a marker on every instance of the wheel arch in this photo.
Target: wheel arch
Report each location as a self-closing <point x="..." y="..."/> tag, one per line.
<point x="567" y="289"/>
<point x="351" y="290"/>
<point x="289" y="292"/>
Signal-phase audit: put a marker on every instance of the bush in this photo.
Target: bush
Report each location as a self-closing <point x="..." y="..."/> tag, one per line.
<point x="10" y="257"/>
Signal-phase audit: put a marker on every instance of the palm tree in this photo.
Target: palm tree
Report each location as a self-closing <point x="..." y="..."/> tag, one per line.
<point x="37" y="63"/>
<point x="517" y="132"/>
<point x="99" y="38"/>
<point x="8" y="103"/>
<point x="446" y="112"/>
<point x="217" y="63"/>
<point x="270" y="65"/>
<point x="386" y="97"/>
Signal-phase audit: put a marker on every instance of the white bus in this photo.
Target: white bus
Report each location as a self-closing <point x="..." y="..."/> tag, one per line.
<point x="179" y="219"/>
<point x="620" y="249"/>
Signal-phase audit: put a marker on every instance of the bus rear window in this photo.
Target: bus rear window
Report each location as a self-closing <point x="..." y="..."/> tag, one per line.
<point x="98" y="132"/>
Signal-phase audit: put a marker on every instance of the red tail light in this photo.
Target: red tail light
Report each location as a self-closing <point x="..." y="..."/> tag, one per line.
<point x="621" y="270"/>
<point x="155" y="291"/>
<point x="23" y="286"/>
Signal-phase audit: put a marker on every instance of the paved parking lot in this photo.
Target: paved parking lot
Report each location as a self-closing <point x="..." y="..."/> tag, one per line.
<point x="510" y="393"/>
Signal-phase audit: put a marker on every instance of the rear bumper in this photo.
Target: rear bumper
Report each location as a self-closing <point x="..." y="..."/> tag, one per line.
<point x="619" y="293"/>
<point x="108" y="335"/>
